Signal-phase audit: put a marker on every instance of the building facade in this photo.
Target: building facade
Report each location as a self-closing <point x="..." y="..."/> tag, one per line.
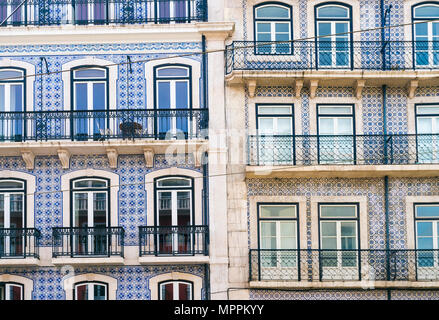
<point x="334" y="194"/>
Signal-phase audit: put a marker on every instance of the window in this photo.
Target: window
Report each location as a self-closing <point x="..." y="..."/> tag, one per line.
<point x="90" y="213"/>
<point x="12" y="204"/>
<point x="273" y="22"/>
<point x="173" y="11"/>
<point x="333" y="22"/>
<point x="335" y="129"/>
<point x="91" y="291"/>
<point x="91" y="11"/>
<point x="90" y="101"/>
<point x="275" y="133"/>
<point x="173" y="99"/>
<point x="12" y="99"/>
<point x="427" y="239"/>
<point x="278" y="242"/>
<point x="426" y="35"/>
<point x="174" y="215"/>
<point x="176" y="290"/>
<point x="7" y="7"/>
<point x="427" y="129"/>
<point x="338" y="225"/>
<point x="11" y="291"/>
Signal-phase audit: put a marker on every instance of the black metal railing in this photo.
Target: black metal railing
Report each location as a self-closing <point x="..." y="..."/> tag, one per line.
<point x="103" y="125"/>
<point x="19" y="243"/>
<point x="101" y="12"/>
<point x="327" y="55"/>
<point x="344" y="265"/>
<point x="174" y="240"/>
<point x="343" y="149"/>
<point x="88" y="242"/>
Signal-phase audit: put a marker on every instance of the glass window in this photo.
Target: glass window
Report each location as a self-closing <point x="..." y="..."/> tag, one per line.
<point x="90" y="211"/>
<point x="12" y="95"/>
<point x="339" y="235"/>
<point x="427" y="127"/>
<point x="90" y="89"/>
<point x="11" y="291"/>
<point x="174" y="216"/>
<point x="278" y="241"/>
<point x="173" y="86"/>
<point x="273" y="24"/>
<point x="427" y="239"/>
<point x="91" y="291"/>
<point x="336" y="134"/>
<point x="426" y="35"/>
<point x="176" y="290"/>
<point x="333" y="25"/>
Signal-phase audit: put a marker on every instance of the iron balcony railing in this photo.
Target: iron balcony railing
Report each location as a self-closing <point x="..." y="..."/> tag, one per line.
<point x="343" y="149"/>
<point x="19" y="243"/>
<point x="88" y="242"/>
<point x="103" y="125"/>
<point x="100" y="12"/>
<point x="174" y="241"/>
<point x="327" y="55"/>
<point x="344" y="265"/>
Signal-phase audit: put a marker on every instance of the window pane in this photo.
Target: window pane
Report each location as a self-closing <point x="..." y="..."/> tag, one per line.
<point x="81" y="96"/>
<point x="338" y="211"/>
<point x="344" y="126"/>
<point x="182" y="94"/>
<point x="17" y="97"/>
<point x="90" y="184"/>
<point x="81" y="209"/>
<point x="268" y="229"/>
<point x="335" y="110"/>
<point x="173" y="72"/>
<point x="274" y="110"/>
<point x="11" y="185"/>
<point x="2" y="211"/>
<point x="329" y="243"/>
<point x="329" y="229"/>
<point x="278" y="211"/>
<point x="90" y="74"/>
<point x="288" y="229"/>
<point x="283" y="27"/>
<point x="99" y="292"/>
<point x="82" y="292"/>
<point x="272" y="12"/>
<point x="425" y="229"/>
<point x="427" y="211"/>
<point x="425" y="125"/>
<point x="263" y="27"/>
<point x="99" y="96"/>
<point x="425" y="243"/>
<point x="341" y="28"/>
<point x="172" y="182"/>
<point x="326" y="126"/>
<point x="428" y="110"/>
<point x="164" y="95"/>
<point x="2" y="99"/>
<point x="184" y="291"/>
<point x="348" y="229"/>
<point x="15" y="292"/>
<point x="324" y="29"/>
<point x="428" y="11"/>
<point x="332" y="12"/>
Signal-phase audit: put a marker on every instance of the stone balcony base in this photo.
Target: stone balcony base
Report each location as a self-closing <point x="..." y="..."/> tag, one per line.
<point x="15" y="262"/>
<point x="343" y="171"/>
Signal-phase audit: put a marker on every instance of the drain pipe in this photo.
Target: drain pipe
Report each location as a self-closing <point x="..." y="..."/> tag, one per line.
<point x="386" y="190"/>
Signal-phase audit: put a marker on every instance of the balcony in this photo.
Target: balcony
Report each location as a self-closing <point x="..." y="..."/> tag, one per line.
<point x="174" y="244"/>
<point x="344" y="268"/>
<point x="376" y="62"/>
<point x="81" y="244"/>
<point x="343" y="156"/>
<point x="102" y="12"/>
<point x="111" y="132"/>
<point x="19" y="246"/>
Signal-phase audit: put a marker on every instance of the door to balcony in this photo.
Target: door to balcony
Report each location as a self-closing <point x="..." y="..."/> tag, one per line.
<point x="90" y="218"/>
<point x="427" y="123"/>
<point x="426" y="35"/>
<point x="275" y="134"/>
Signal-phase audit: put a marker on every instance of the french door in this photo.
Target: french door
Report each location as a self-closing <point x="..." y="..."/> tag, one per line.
<point x="427" y="44"/>
<point x="91" y="291"/>
<point x="12" y="217"/>
<point x="175" y="11"/>
<point x="428" y="139"/>
<point x="176" y="290"/>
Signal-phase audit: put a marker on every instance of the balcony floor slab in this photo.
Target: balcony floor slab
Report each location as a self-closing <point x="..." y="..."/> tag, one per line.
<point x="344" y="284"/>
<point x="154" y="260"/>
<point x="88" y="261"/>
